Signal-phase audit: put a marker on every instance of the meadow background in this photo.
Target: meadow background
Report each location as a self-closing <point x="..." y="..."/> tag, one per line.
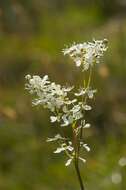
<point x="32" y="36"/>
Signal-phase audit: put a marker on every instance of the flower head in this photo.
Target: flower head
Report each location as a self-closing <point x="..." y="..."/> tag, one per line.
<point x="55" y="98"/>
<point x="86" y="54"/>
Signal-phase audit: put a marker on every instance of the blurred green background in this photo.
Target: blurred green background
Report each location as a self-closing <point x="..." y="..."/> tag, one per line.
<point x="32" y="35"/>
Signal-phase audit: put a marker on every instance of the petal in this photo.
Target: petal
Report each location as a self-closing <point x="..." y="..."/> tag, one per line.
<point x="86" y="147"/>
<point x="87" y="107"/>
<point x="87" y="125"/>
<point x="68" y="162"/>
<point x="78" y="63"/>
<point x="53" y="119"/>
<point x="59" y="150"/>
<point x="82" y="159"/>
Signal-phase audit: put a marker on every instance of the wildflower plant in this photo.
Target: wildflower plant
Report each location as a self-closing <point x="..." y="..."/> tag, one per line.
<point x="68" y="105"/>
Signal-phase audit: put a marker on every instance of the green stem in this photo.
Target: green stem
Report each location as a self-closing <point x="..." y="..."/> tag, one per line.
<point x="75" y="140"/>
<point x="76" y="158"/>
<point x="85" y="100"/>
<point x="78" y="174"/>
<point x="78" y="150"/>
<point x="89" y="79"/>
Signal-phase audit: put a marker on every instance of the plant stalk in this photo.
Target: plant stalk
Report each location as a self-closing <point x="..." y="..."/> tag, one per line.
<point x="79" y="175"/>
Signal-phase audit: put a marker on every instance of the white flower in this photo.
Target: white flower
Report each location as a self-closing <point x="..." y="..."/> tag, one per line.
<point x="65" y="120"/>
<point x="28" y="77"/>
<point x="86" y="54"/>
<point x="87" y="125"/>
<point x="87" y="107"/>
<point x="84" y="124"/>
<point x="76" y="108"/>
<point x="53" y="119"/>
<point x="86" y="147"/>
<point x="70" y="143"/>
<point x="48" y="94"/>
<point x="70" y="119"/>
<point x="57" y="137"/>
<point x="64" y="147"/>
<point x="59" y="150"/>
<point x="76" y="112"/>
<point x="80" y="93"/>
<point x="78" y="115"/>
<point x="78" y="63"/>
<point x="91" y="93"/>
<point x="82" y="159"/>
<point x="68" y="162"/>
<point x="68" y="102"/>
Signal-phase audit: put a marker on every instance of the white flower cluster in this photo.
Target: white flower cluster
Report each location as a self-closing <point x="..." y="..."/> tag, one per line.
<point x="49" y="94"/>
<point x="86" y="54"/>
<point x="55" y="98"/>
<point x="67" y="146"/>
<point x="66" y="110"/>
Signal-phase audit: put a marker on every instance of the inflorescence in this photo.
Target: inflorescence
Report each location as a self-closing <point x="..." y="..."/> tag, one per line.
<point x="65" y="110"/>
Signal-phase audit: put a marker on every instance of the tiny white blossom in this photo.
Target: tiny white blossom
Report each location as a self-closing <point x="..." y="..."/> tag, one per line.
<point x="65" y="120"/>
<point x="59" y="150"/>
<point x="91" y="93"/>
<point x="53" y="119"/>
<point x="77" y="115"/>
<point x="57" y="137"/>
<point x="87" y="125"/>
<point x="76" y="108"/>
<point x="80" y="93"/>
<point x="78" y="63"/>
<point x="28" y="77"/>
<point x="68" y="89"/>
<point x="82" y="159"/>
<point x="86" y="147"/>
<point x="68" y="162"/>
<point x="64" y="147"/>
<point x="70" y="143"/>
<point x="87" y="107"/>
